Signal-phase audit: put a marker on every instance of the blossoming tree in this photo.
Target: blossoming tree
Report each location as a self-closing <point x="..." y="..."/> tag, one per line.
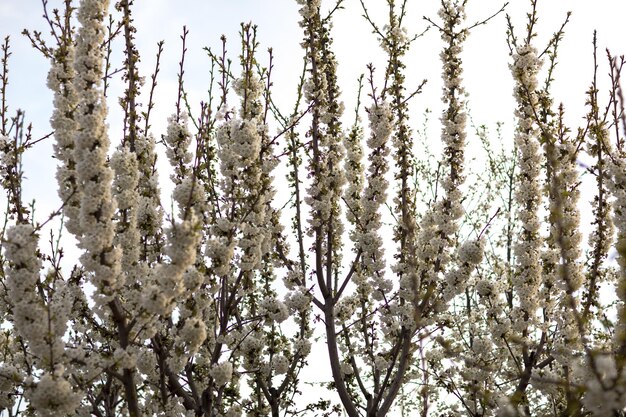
<point x="212" y="309"/>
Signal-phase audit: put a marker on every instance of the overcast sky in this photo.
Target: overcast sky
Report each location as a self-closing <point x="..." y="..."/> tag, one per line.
<point x="487" y="77"/>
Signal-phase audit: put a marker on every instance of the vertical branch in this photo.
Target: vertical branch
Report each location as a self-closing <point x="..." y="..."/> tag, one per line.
<point x="322" y="92"/>
<point x="61" y="78"/>
<point x="4" y="80"/>
<point x="131" y="116"/>
<point x="181" y="72"/>
<point x="97" y="206"/>
<point x="600" y="238"/>
<point x="153" y="78"/>
<point x="527" y="276"/>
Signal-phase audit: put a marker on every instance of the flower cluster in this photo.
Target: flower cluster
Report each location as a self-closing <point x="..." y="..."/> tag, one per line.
<point x="527" y="278"/>
<point x="561" y="264"/>
<point x="310" y="8"/>
<point x="396" y="38"/>
<point x="440" y="224"/>
<point x="470" y="254"/>
<point x="10" y="376"/>
<point x="570" y="221"/>
<point x="97" y="206"/>
<point x="149" y="211"/>
<point x="53" y="395"/>
<point x="327" y="150"/>
<point x="40" y="327"/>
<point x="617" y="185"/>
<point x="274" y="309"/>
<point x="222" y="373"/>
<point x="245" y="178"/>
<point x="189" y="339"/>
<point x="5" y="155"/>
<point x="177" y="140"/>
<point x="125" y="183"/>
<point x="606" y="388"/>
<point x="298" y="300"/>
<point x="303" y="347"/>
<point x="280" y="364"/>
<point x="183" y="239"/>
<point x="369" y="239"/>
<point x="63" y="121"/>
<point x="354" y="173"/>
<point x="239" y="144"/>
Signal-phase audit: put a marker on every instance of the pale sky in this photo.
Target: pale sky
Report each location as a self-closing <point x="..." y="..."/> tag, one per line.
<point x="486" y="56"/>
<point x="487" y="77"/>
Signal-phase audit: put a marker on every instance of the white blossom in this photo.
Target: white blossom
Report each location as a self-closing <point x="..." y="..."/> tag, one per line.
<point x="193" y="334"/>
<point x="303" y="347"/>
<point x="97" y="206"/>
<point x="183" y="239"/>
<point x="471" y="252"/>
<point x="10" y="377"/>
<point x="280" y="364"/>
<point x="53" y="396"/>
<point x="527" y="279"/>
<point x="63" y="121"/>
<point x="234" y="411"/>
<point x="222" y="373"/>
<point x="41" y="327"/>
<point x="274" y="309"/>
